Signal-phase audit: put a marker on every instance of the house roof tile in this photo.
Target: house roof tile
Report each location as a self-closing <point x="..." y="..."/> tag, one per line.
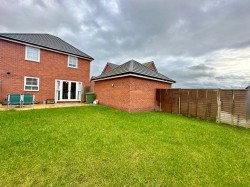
<point x="133" y="67"/>
<point x="46" y="41"/>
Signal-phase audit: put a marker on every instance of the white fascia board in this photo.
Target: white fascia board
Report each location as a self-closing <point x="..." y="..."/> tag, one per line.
<point x="133" y="75"/>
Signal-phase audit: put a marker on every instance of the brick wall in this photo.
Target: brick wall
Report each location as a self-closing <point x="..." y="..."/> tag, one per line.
<point x="116" y="96"/>
<point x="128" y="93"/>
<point x="107" y="69"/>
<point x="152" y="67"/>
<point x="52" y="66"/>
<point x="142" y="93"/>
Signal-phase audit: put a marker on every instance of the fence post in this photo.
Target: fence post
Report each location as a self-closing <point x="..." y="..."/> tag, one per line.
<point x="219" y="106"/>
<point x="197" y="96"/>
<point x="160" y="101"/>
<point x="232" y="116"/>
<point x="206" y="105"/>
<point x="188" y="104"/>
<point x="179" y="101"/>
<point x="171" y="101"/>
<point x="248" y="105"/>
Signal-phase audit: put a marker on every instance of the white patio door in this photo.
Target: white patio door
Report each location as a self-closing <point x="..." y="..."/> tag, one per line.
<point x="68" y="90"/>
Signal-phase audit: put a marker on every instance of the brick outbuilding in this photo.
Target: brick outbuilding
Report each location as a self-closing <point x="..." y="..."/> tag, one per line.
<point x="130" y="87"/>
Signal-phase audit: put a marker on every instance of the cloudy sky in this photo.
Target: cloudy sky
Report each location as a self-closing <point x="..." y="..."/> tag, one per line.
<point x="198" y="43"/>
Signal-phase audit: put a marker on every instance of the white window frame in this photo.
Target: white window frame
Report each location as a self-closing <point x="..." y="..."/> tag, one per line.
<point x="26" y="53"/>
<point x="76" y="62"/>
<point x="38" y="84"/>
<point x="79" y="87"/>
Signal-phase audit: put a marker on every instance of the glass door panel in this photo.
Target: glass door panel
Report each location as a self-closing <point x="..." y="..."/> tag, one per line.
<point x="58" y="90"/>
<point x="65" y="90"/>
<point x="79" y="91"/>
<point x="73" y="90"/>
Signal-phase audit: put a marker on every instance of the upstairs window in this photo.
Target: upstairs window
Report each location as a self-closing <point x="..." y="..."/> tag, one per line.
<point x="31" y="84"/>
<point x="72" y="62"/>
<point x="32" y="54"/>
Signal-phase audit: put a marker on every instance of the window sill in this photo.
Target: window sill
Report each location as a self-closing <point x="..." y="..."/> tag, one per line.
<point x="32" y="60"/>
<point x="31" y="90"/>
<point x="72" y="67"/>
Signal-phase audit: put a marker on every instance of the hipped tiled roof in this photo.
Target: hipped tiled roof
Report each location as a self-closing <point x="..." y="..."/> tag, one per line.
<point x="46" y="41"/>
<point x="133" y="67"/>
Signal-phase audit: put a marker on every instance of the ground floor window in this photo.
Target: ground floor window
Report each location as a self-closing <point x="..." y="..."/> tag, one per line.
<point x="68" y="90"/>
<point x="31" y="83"/>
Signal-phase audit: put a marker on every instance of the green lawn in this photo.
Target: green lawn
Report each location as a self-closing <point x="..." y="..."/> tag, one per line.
<point x="100" y="146"/>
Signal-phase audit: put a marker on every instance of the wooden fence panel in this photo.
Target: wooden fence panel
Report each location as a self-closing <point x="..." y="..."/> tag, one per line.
<point x="226" y="106"/>
<point x="240" y="106"/>
<point x="168" y="100"/>
<point x="226" y="98"/>
<point x="85" y="90"/>
<point x="158" y="100"/>
<point x="184" y="101"/>
<point x="163" y="98"/>
<point x="212" y="106"/>
<point x="192" y="103"/>
<point x="175" y="101"/>
<point x="201" y="104"/>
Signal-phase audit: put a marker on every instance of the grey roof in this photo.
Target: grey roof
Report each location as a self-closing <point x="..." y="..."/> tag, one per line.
<point x="135" y="68"/>
<point x="46" y="41"/>
<point x="112" y="65"/>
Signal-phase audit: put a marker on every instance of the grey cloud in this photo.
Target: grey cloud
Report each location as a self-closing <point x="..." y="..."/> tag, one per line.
<point x="201" y="67"/>
<point x="229" y="77"/>
<point x="140" y="30"/>
<point x="195" y="75"/>
<point x="38" y="16"/>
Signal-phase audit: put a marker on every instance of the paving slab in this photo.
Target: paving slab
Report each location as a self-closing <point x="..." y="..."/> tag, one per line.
<point x="43" y="106"/>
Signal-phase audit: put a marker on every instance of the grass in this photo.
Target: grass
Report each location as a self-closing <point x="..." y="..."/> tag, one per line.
<point x="100" y="146"/>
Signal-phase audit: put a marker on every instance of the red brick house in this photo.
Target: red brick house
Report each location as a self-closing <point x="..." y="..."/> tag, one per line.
<point x="130" y="87"/>
<point x="44" y="65"/>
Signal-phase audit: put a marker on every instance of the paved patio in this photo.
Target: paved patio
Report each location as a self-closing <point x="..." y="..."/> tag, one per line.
<point x="42" y="106"/>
